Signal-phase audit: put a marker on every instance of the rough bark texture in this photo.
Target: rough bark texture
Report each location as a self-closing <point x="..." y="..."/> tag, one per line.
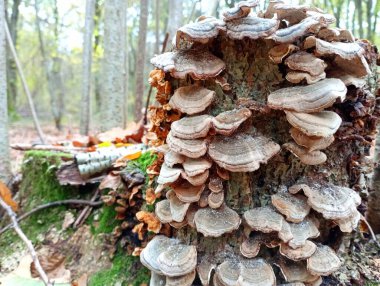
<point x="140" y="59"/>
<point x="5" y="167"/>
<point x="114" y="73"/>
<point x="86" y="65"/>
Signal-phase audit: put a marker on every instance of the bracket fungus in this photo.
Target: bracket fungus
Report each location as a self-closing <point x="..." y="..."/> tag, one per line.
<point x="323" y="262"/>
<point x="293" y="14"/>
<point x="215" y="200"/>
<point x="302" y="231"/>
<point x="192" y="148"/>
<point x="310" y="98"/>
<point x="303" y="61"/>
<point x="296" y="271"/>
<point x="192" y="99"/>
<point x="300" y="253"/>
<point x="168" y="174"/>
<point x="299" y="76"/>
<point x="178" y="260"/>
<point x="178" y="208"/>
<point x="204" y="269"/>
<point x="200" y="31"/>
<point x="336" y="35"/>
<point x="191" y="127"/>
<point x="215" y="222"/>
<point x="256" y="272"/>
<point x="279" y="52"/>
<point x="172" y="158"/>
<point x="242" y="152"/>
<point x="241" y="10"/>
<point x="228" y="122"/>
<point x="294" y="207"/>
<point x="251" y="27"/>
<point x="188" y="193"/>
<point x="311" y="143"/>
<point x="322" y="124"/>
<point x="184" y="280"/>
<point x="306" y="157"/>
<point x="196" y="180"/>
<point x="162" y="211"/>
<point x="195" y="167"/>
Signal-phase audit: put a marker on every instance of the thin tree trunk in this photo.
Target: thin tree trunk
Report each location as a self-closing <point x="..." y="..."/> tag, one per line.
<point x="52" y="70"/>
<point x="97" y="38"/>
<point x="5" y="165"/>
<point x="87" y="60"/>
<point x="359" y="10"/>
<point x="157" y="28"/>
<point x="369" y="19"/>
<point x="174" y="17"/>
<point x="11" y="65"/>
<point x="114" y="65"/>
<point x="140" y="59"/>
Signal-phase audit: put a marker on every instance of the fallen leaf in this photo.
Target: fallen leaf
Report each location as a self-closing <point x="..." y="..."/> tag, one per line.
<point x="150" y="196"/>
<point x="111" y="182"/>
<point x="137" y="251"/>
<point x="150" y="220"/>
<point x="139" y="230"/>
<point x="6" y="196"/>
<point x="68" y="220"/>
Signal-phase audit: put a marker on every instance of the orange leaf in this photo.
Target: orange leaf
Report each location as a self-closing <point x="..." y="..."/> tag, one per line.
<point x="6" y="195"/>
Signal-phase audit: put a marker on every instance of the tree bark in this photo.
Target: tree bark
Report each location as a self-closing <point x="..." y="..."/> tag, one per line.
<point x="97" y="38"/>
<point x="359" y="11"/>
<point x="86" y="65"/>
<point x="175" y="18"/>
<point x="369" y="19"/>
<point x="114" y="69"/>
<point x="157" y="28"/>
<point x="140" y="60"/>
<point x="5" y="166"/>
<point x="11" y="65"/>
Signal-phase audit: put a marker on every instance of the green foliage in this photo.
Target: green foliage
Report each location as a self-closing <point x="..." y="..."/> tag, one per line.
<point x="125" y="269"/>
<point x="144" y="161"/>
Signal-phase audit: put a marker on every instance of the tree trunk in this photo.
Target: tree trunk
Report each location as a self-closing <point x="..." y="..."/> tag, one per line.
<point x="157" y="28"/>
<point x="87" y="60"/>
<point x="97" y="38"/>
<point x="175" y="18"/>
<point x="11" y="66"/>
<point x="359" y="11"/>
<point x="52" y="68"/>
<point x="5" y="165"/>
<point x="140" y="60"/>
<point x="114" y="73"/>
<point x="369" y="19"/>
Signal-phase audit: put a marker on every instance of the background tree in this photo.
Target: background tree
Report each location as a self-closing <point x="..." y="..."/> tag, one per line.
<point x="5" y="167"/>
<point x="87" y="60"/>
<point x="114" y="69"/>
<point x="140" y="59"/>
<point x="175" y="18"/>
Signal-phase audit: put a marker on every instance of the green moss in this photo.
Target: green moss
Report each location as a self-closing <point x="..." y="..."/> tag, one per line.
<point x="144" y="161"/>
<point x="125" y="269"/>
<point x="107" y="221"/>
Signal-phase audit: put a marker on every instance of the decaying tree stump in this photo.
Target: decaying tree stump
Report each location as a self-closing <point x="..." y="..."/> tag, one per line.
<point x="243" y="64"/>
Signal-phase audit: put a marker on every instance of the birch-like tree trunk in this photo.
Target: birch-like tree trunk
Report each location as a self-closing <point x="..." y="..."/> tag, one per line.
<point x="157" y="28"/>
<point x="87" y="60"/>
<point x="5" y="168"/>
<point x="114" y="69"/>
<point x="140" y="59"/>
<point x="175" y="17"/>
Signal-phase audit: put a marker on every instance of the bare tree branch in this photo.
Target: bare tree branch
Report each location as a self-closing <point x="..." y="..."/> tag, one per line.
<point x="28" y="243"/>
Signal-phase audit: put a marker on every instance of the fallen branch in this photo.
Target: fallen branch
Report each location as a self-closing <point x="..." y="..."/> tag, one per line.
<point x="28" y="243"/>
<point x="27" y="147"/>
<point x="86" y="211"/>
<point x="370" y="230"/>
<point x="49" y="205"/>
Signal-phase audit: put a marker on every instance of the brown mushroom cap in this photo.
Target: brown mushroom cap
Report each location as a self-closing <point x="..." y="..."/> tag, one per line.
<point x="188" y="193"/>
<point x="279" y="52"/>
<point x="336" y="35"/>
<point x="292" y="33"/>
<point x="312" y="143"/>
<point x="184" y="280"/>
<point x="193" y="148"/>
<point x="196" y="180"/>
<point x="162" y="211"/>
<point x="199" y="64"/>
<point x="190" y="214"/>
<point x="241" y="9"/>
<point x="172" y="158"/>
<point x="302" y="231"/>
<point x="294" y="207"/>
<point x="215" y="184"/>
<point x="306" y="157"/>
<point x="192" y="99"/>
<point x="306" y="62"/>
<point x="292" y="13"/>
<point x="215" y="200"/>
<point x="204" y="269"/>
<point x="310" y="98"/>
<point x="152" y="251"/>
<point x="323" y="262"/>
<point x="300" y="253"/>
<point x="322" y="124"/>
<point x="333" y="202"/>
<point x="178" y="260"/>
<point x="227" y="122"/>
<point x="192" y="127"/>
<point x="256" y="272"/>
<point x="309" y="42"/>
<point x="346" y="51"/>
<point x="296" y="271"/>
<point x="266" y="219"/>
<point x="347" y="78"/>
<point x="228" y="272"/>
<point x="203" y="201"/>
<point x="251" y="247"/>
<point x="201" y="31"/>
<point x="168" y="174"/>
<point x="178" y="208"/>
<point x="242" y="152"/>
<point x="251" y="27"/>
<point x="298" y="76"/>
<point x="350" y="223"/>
<point x="215" y="222"/>
<point x="195" y="167"/>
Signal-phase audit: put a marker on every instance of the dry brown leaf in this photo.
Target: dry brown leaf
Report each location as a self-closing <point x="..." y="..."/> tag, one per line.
<point x="150" y="220"/>
<point x="137" y="251"/>
<point x="135" y="190"/>
<point x="111" y="182"/>
<point x="52" y="263"/>
<point x="150" y="196"/>
<point x="139" y="229"/>
<point x="6" y="196"/>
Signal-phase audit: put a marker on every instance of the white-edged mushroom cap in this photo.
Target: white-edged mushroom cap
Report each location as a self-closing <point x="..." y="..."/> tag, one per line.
<point x="241" y="9"/>
<point x="306" y="62"/>
<point x="296" y="271"/>
<point x="168" y="174"/>
<point x="204" y="269"/>
<point x="184" y="280"/>
<point x="197" y="166"/>
<point x="294" y="207"/>
<point x="312" y="143"/>
<point x="300" y="253"/>
<point x="302" y="231"/>
<point x="279" y="52"/>
<point x="293" y="14"/>
<point x="178" y="208"/>
<point x="188" y="193"/>
<point x="215" y="222"/>
<point x="162" y="211"/>
<point x="310" y="98"/>
<point x="306" y="157"/>
<point x="215" y="184"/>
<point x="192" y="99"/>
<point x="350" y="223"/>
<point x="193" y="148"/>
<point x="292" y="33"/>
<point x="178" y="260"/>
<point x="215" y="200"/>
<point x="256" y="272"/>
<point x="228" y="272"/>
<point x="322" y="124"/>
<point x="242" y="152"/>
<point x="197" y="180"/>
<point x="298" y="76"/>
<point x="323" y="262"/>
<point x="172" y="158"/>
<point x="251" y="27"/>
<point x="192" y="127"/>
<point x="228" y="122"/>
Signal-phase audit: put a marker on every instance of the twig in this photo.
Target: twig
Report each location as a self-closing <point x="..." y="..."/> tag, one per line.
<point x="370" y="230"/>
<point x="86" y="211"/>
<point x="24" y="84"/>
<point x="49" y="205"/>
<point x="150" y="88"/>
<point x="27" y="147"/>
<point x="28" y="243"/>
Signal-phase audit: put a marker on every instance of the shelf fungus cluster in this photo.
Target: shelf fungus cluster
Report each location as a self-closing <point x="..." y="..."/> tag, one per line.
<point x="221" y="218"/>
